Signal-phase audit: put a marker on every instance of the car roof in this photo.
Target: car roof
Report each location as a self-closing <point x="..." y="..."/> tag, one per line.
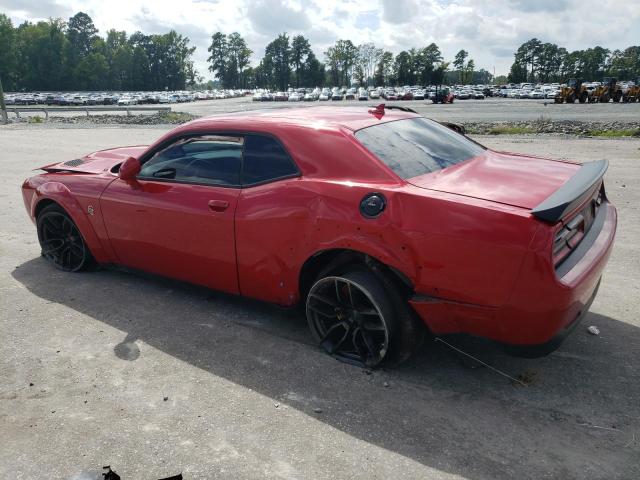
<point x="326" y="117"/>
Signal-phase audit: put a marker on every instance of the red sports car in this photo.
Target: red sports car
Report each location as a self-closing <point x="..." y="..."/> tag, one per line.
<point x="381" y="221"/>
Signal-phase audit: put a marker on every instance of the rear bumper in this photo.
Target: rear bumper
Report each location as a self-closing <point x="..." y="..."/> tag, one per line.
<point x="542" y="349"/>
<point x="543" y="307"/>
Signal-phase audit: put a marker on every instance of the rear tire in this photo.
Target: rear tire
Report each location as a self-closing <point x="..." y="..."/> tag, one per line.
<point x="358" y="317"/>
<point x="61" y="241"/>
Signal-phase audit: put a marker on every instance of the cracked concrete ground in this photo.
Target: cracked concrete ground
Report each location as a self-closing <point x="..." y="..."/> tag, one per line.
<point x="156" y="377"/>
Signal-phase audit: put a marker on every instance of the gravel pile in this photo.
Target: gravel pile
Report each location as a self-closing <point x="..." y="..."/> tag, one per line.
<point x="171" y="118"/>
<point x="542" y="125"/>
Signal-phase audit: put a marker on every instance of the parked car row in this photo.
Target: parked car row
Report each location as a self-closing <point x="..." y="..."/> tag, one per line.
<point x="120" y="98"/>
<point x="415" y="92"/>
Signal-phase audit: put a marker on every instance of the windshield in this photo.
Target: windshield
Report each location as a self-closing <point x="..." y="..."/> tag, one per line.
<point x="416" y="146"/>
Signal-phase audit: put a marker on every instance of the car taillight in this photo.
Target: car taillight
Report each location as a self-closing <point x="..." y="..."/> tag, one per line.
<point x="571" y="232"/>
<point x="568" y="238"/>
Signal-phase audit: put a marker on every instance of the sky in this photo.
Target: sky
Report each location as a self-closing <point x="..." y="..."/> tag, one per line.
<point x="490" y="30"/>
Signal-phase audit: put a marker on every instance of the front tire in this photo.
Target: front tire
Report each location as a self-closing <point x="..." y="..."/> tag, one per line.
<point x="359" y="318"/>
<point x="61" y="241"/>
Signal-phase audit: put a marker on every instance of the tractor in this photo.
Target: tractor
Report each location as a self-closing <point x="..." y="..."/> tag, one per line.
<point x="442" y="95"/>
<point x="633" y="92"/>
<point x="574" y="90"/>
<point x="609" y="90"/>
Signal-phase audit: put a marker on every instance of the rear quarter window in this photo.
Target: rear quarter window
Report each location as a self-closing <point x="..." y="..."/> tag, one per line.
<point x="416" y="146"/>
<point x="265" y="160"/>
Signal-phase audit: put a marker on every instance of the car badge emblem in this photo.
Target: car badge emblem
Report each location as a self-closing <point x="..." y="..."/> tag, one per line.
<point x="90" y="210"/>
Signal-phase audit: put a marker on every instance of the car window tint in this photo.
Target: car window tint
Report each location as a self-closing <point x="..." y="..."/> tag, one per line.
<point x="213" y="160"/>
<point x="416" y="146"/>
<point x="265" y="159"/>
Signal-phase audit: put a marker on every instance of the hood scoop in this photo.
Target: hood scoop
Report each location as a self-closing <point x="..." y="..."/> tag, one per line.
<point x="74" y="163"/>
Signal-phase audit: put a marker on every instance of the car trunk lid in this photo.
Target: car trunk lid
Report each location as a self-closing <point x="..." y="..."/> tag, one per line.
<point x="507" y="178"/>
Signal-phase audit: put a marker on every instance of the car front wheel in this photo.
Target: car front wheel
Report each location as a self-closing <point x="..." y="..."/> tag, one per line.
<point x="61" y="241"/>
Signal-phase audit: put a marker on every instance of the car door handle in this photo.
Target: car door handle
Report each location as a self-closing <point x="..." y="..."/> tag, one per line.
<point x="218" y="205"/>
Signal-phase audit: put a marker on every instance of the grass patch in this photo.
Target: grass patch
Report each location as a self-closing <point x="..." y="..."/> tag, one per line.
<point x="35" y="119"/>
<point x="614" y="133"/>
<point x="510" y="130"/>
<point x="176" y="117"/>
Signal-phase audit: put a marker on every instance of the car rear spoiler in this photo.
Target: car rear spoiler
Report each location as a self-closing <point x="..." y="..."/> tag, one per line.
<point x="572" y="193"/>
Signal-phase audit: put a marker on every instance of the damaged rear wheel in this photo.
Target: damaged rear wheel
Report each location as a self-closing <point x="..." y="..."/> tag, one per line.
<point x="359" y="319"/>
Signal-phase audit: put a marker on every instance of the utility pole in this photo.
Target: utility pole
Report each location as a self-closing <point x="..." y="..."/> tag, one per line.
<point x="3" y="107"/>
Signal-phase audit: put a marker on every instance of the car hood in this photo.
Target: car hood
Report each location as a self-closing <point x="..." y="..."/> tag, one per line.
<point x="508" y="178"/>
<point x="97" y="162"/>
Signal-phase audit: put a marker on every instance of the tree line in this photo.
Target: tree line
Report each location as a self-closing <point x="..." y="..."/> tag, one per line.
<point x="58" y="55"/>
<point x="70" y="55"/>
<point x="290" y="62"/>
<point x="547" y="62"/>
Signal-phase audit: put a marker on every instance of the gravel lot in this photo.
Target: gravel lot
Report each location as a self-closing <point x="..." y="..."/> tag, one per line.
<point x="488" y="110"/>
<point x="156" y="377"/>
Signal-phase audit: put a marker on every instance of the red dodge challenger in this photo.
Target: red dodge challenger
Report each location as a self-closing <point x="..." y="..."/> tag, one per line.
<point x="384" y="223"/>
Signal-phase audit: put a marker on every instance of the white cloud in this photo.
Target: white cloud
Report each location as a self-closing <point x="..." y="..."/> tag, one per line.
<point x="491" y="30"/>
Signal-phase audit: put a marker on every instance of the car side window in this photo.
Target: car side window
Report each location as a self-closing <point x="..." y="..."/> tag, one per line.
<point x="265" y="159"/>
<point x="206" y="159"/>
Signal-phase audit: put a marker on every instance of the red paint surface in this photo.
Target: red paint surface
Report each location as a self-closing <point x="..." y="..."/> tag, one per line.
<point x="463" y="236"/>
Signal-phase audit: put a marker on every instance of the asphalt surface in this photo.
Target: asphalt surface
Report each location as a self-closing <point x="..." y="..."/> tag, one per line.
<point x="488" y="110"/>
<point x="156" y="377"/>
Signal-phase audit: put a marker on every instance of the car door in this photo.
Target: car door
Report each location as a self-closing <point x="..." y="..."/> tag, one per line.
<point x="271" y="218"/>
<point x="177" y="218"/>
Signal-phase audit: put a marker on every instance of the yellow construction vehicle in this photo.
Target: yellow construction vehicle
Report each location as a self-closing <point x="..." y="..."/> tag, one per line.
<point x="633" y="92"/>
<point x="609" y="90"/>
<point x="574" y="90"/>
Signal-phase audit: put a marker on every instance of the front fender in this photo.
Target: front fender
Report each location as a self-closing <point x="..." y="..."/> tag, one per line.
<point x="60" y="194"/>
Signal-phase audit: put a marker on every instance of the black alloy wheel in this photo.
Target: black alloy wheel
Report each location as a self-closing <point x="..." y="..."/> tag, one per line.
<point x="351" y="317"/>
<point x="61" y="241"/>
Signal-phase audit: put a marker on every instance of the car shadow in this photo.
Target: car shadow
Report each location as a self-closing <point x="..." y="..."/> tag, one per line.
<point x="573" y="414"/>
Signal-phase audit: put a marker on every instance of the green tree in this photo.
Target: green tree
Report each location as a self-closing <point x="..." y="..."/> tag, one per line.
<point x="300" y="50"/>
<point x="367" y="58"/>
<point x="92" y="72"/>
<point x="138" y="76"/>
<point x="313" y="71"/>
<point x="425" y="62"/>
<point x="459" y="63"/>
<point x="238" y="55"/>
<point x="81" y="32"/>
<point x="384" y="69"/>
<point x="625" y="63"/>
<point x="402" y="68"/>
<point x="8" y="53"/>
<point x="341" y="58"/>
<point x="468" y="71"/>
<point x="41" y="60"/>
<point x="118" y="56"/>
<point x="278" y="60"/>
<point x="219" y="52"/>
<point x="439" y="73"/>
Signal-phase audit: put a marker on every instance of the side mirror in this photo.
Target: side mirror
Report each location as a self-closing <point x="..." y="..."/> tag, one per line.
<point x="129" y="169"/>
